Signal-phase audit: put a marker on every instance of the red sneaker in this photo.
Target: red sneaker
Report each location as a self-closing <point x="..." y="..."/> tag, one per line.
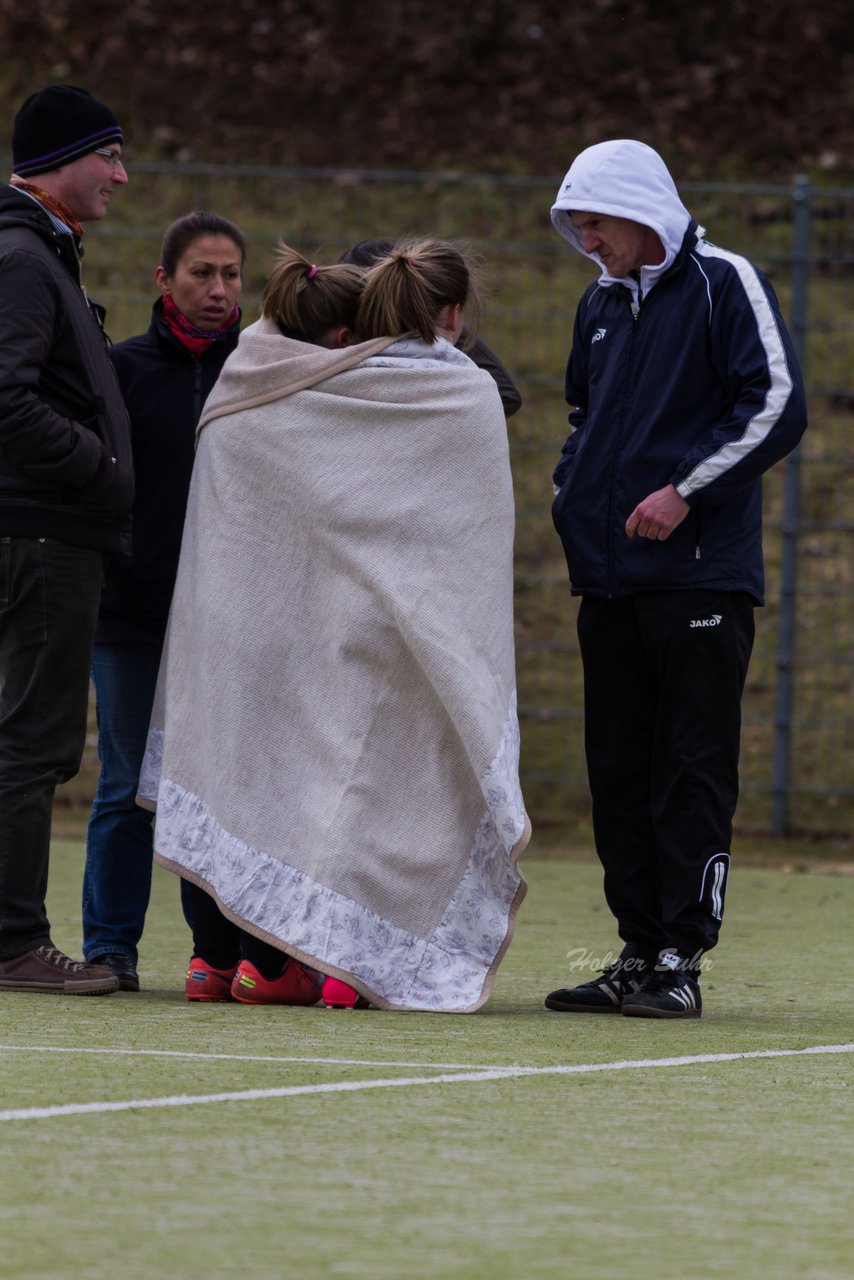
<point x="206" y="983"/>
<point x="338" y="995"/>
<point x="297" y="985"/>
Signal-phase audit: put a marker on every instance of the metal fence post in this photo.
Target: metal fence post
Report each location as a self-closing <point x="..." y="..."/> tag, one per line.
<point x="801" y="189"/>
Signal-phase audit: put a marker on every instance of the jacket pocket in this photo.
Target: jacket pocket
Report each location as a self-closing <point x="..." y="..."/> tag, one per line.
<point x="559" y="502"/>
<point x="110" y="488"/>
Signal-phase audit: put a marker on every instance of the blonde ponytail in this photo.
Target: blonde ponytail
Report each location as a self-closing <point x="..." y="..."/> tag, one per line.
<point x="405" y="291"/>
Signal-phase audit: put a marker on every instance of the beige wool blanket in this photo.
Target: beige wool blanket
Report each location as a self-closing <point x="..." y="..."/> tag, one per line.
<point x="334" y="750"/>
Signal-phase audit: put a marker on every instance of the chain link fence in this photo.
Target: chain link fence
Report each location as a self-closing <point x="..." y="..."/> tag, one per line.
<point x="798" y="739"/>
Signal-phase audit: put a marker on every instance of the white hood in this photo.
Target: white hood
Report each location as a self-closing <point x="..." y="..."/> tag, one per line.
<point x="626" y="179"/>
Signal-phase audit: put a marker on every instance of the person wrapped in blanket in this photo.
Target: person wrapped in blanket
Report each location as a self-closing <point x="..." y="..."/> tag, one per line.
<point x="318" y="305"/>
<point x="334" y="751"/>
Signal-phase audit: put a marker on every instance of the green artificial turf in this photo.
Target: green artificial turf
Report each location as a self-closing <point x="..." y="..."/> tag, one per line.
<point x="738" y="1168"/>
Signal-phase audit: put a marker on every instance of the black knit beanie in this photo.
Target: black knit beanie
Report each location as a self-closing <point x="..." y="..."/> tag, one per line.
<point x="57" y="125"/>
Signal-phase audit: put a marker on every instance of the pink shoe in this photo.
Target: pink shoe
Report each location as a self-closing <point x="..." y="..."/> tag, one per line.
<point x="338" y="995"/>
<point x="203" y="982"/>
<point x="297" y="985"/>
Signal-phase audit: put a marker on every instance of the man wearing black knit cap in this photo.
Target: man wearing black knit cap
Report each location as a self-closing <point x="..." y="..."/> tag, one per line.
<point x="66" y="487"/>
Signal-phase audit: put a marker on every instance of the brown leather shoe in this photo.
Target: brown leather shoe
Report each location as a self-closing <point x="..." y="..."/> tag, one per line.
<point x="49" y="970"/>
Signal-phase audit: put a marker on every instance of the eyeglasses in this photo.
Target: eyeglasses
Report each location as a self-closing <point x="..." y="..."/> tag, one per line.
<point x="113" y="158"/>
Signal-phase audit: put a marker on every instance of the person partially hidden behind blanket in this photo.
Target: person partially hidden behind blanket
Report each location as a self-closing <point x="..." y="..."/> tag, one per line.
<point x="333" y="755"/>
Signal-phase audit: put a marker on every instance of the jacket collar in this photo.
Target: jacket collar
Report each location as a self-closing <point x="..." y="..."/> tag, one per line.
<point x="22" y="211"/>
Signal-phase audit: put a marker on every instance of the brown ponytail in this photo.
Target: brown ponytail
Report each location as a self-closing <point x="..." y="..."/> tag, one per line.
<point x="309" y="299"/>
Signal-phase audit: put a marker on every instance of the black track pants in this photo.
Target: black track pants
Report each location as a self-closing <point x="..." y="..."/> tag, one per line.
<point x="663" y="678"/>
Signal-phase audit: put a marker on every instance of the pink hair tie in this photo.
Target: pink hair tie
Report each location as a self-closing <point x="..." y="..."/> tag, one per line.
<point x="312" y="273"/>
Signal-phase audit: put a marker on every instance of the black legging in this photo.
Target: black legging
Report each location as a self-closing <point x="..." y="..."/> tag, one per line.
<point x="223" y="944"/>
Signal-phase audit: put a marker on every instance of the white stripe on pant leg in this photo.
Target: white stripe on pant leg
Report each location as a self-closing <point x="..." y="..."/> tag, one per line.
<point x="717" y="890"/>
<point x="720" y="861"/>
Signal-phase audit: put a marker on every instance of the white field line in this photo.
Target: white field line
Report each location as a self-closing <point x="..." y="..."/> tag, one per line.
<point x="246" y="1057"/>
<point x="470" y="1077"/>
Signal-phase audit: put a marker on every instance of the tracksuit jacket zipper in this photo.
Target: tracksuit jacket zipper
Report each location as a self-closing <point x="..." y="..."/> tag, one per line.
<point x="634" y="307"/>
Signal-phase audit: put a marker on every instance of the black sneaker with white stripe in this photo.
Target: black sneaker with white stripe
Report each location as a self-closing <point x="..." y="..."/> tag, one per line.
<point x="670" y="991"/>
<point x="603" y="994"/>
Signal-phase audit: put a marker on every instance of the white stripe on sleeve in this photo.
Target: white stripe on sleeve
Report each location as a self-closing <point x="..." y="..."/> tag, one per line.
<point x="763" y="422"/>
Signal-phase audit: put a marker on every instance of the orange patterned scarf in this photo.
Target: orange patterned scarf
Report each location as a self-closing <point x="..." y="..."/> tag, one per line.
<point x="51" y="203"/>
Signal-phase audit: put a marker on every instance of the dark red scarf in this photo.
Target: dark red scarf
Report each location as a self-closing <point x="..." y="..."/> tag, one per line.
<point x="196" y="340"/>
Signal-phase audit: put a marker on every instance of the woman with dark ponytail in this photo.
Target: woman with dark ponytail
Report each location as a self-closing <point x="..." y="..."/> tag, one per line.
<point x="334" y="755"/>
<point x="312" y="304"/>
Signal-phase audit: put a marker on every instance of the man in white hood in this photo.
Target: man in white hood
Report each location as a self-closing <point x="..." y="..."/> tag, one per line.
<point x="684" y="389"/>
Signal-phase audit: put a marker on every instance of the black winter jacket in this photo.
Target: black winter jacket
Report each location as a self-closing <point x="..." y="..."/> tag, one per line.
<point x="65" y="453"/>
<point x="164" y="388"/>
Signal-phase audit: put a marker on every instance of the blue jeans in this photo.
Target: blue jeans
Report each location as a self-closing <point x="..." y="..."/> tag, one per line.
<point x="49" y="597"/>
<point x="117" y="878"/>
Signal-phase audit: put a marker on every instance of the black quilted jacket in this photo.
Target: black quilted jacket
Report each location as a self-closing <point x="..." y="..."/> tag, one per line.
<point x="66" y="468"/>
